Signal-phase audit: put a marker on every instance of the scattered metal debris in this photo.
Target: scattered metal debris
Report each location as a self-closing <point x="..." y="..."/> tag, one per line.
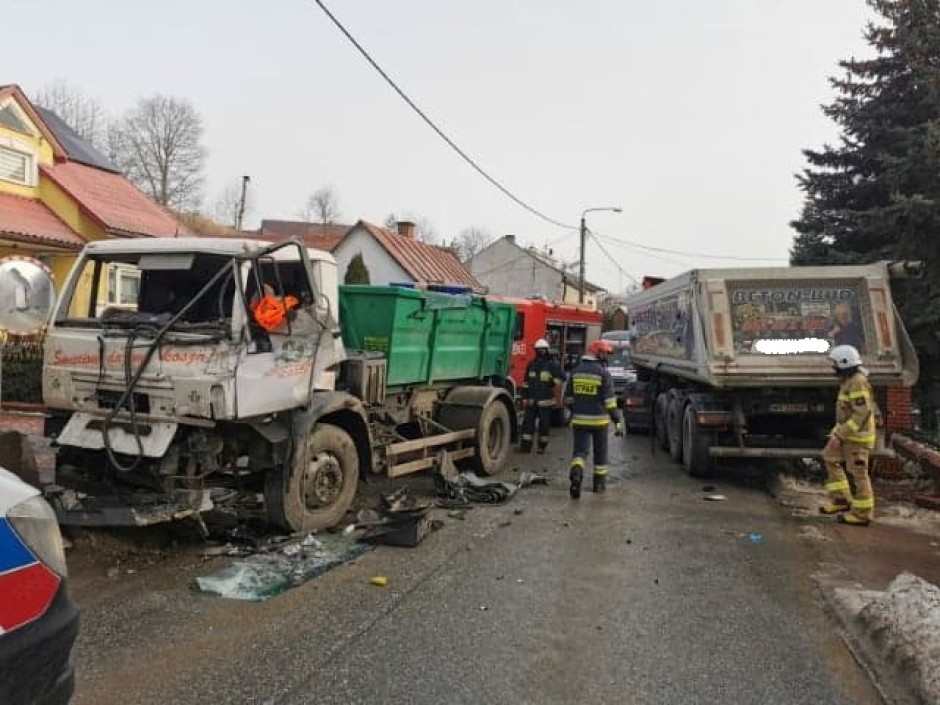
<point x="468" y="487"/>
<point x="715" y="498"/>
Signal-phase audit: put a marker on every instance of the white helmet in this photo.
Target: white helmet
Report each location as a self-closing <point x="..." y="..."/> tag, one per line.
<point x="541" y="344"/>
<point x="845" y="357"/>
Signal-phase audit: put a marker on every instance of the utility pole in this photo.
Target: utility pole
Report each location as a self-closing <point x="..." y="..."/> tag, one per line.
<point x="581" y="262"/>
<point x="241" y="203"/>
<point x="612" y="209"/>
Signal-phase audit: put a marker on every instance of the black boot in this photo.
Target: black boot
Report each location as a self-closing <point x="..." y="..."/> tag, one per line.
<point x="576" y="475"/>
<point x="600" y="483"/>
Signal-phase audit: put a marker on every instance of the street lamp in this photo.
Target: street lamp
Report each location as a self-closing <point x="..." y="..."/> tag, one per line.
<point x="613" y="209"/>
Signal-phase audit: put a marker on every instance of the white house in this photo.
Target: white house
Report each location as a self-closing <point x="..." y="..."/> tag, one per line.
<point x="399" y="257"/>
<point x="506" y="268"/>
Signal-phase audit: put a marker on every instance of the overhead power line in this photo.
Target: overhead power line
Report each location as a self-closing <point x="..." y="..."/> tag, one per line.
<point x="613" y="261"/>
<point x="453" y="145"/>
<point x="686" y="253"/>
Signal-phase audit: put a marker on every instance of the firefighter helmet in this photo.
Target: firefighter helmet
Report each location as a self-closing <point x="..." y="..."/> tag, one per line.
<point x="541" y="344"/>
<point x="600" y="347"/>
<point x="845" y="357"/>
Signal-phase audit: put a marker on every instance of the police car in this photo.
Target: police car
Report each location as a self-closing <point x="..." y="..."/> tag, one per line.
<point x="38" y="621"/>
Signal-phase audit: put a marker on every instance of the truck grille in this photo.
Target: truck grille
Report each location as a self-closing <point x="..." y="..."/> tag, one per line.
<point x="108" y="399"/>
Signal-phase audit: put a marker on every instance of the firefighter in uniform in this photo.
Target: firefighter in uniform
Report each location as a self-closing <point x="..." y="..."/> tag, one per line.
<point x="590" y="393"/>
<point x="850" y="441"/>
<point x="543" y="377"/>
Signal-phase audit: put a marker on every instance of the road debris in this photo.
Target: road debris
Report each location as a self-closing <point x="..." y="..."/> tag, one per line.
<point x="280" y="564"/>
<point x="467" y="487"/>
<point x="754" y="537"/>
<point x="715" y="498"/>
<point x="379" y="581"/>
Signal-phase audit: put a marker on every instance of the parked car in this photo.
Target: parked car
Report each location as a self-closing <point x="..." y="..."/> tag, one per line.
<point x="38" y="621"/>
<point x="621" y="369"/>
<point x="617" y="336"/>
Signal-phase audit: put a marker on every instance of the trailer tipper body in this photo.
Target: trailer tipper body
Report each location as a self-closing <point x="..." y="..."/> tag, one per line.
<point x="733" y="362"/>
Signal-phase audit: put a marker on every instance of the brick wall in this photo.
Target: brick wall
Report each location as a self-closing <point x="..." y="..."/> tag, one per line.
<point x="898" y="412"/>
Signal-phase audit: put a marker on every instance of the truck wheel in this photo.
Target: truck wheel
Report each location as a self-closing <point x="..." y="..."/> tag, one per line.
<point x="320" y="484"/>
<point x="674" y="429"/>
<point x="695" y="444"/>
<point x="493" y="439"/>
<point x="662" y="430"/>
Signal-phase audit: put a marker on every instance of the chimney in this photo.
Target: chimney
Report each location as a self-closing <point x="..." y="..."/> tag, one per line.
<point x="511" y="238"/>
<point x="406" y="229"/>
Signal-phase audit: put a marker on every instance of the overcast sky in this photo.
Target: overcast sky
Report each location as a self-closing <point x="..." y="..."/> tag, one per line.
<point x="689" y="114"/>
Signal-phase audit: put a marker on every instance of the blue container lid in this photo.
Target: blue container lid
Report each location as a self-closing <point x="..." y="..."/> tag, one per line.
<point x="450" y="288"/>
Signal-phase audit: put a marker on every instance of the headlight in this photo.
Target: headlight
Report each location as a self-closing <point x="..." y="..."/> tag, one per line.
<point x="35" y="522"/>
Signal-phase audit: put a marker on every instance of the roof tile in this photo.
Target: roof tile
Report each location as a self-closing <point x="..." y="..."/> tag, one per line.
<point x="30" y="221"/>
<point x="425" y="263"/>
<point x="112" y="200"/>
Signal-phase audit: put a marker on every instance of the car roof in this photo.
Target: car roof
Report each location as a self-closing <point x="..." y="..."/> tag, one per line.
<point x="13" y="491"/>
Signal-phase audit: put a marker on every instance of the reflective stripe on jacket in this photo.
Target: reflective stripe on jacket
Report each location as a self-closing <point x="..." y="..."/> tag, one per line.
<point x="590" y="393"/>
<point x="541" y="377"/>
<point x="855" y="411"/>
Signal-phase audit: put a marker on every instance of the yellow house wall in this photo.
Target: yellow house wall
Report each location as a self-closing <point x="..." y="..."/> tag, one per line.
<point x="37" y="146"/>
<point x="64" y="206"/>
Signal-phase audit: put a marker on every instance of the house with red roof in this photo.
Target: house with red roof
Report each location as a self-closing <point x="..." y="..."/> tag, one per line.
<point x="319" y="236"/>
<point x="58" y="192"/>
<point x="398" y="256"/>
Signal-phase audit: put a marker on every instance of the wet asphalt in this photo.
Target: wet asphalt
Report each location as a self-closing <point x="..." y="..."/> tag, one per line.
<point x="646" y="594"/>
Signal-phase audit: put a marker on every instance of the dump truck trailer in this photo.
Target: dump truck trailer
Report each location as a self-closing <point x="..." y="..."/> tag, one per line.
<point x="732" y="363"/>
<point x="174" y="395"/>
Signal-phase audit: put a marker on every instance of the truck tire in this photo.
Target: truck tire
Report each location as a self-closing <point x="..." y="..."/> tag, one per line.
<point x="662" y="429"/>
<point x="319" y="486"/>
<point x="493" y="438"/>
<point x="695" y="444"/>
<point x="674" y="429"/>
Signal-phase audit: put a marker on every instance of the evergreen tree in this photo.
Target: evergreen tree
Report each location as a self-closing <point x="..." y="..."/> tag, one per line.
<point x="357" y="272"/>
<point x="876" y="194"/>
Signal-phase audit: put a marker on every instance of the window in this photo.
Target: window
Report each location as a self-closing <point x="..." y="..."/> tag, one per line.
<point x="16" y="166"/>
<point x="123" y="286"/>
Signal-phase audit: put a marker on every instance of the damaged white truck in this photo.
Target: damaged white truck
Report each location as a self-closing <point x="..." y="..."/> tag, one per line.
<point x="186" y="374"/>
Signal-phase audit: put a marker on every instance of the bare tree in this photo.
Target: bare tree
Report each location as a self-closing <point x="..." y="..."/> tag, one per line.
<point x="158" y="146"/>
<point x="470" y="241"/>
<point x="82" y="112"/>
<point x="322" y="207"/>
<point x="228" y="204"/>
<point x="426" y="231"/>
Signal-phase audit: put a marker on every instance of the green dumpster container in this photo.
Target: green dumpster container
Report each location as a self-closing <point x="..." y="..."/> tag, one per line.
<point x="428" y="337"/>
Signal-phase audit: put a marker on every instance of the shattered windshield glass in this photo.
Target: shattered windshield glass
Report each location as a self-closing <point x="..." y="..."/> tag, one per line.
<point x="132" y="289"/>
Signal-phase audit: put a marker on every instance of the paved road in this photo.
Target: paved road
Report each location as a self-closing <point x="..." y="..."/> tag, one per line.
<point x="647" y="594"/>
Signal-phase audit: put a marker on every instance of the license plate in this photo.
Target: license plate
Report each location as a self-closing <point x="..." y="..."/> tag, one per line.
<point x="788" y="408"/>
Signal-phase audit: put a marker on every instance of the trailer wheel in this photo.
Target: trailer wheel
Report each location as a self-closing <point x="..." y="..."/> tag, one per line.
<point x="493" y="438"/>
<point x="662" y="430"/>
<point x="674" y="429"/>
<point x="319" y="487"/>
<point x="695" y="444"/>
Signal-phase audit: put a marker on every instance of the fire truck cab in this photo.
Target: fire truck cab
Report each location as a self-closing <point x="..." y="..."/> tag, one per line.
<point x="568" y="328"/>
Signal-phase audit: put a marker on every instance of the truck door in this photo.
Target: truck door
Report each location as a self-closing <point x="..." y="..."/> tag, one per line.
<point x="276" y="367"/>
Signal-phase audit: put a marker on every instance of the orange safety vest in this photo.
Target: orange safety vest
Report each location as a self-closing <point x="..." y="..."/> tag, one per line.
<point x="271" y="311"/>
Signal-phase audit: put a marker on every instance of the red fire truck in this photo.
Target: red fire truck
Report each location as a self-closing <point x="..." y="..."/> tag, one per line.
<point x="568" y="328"/>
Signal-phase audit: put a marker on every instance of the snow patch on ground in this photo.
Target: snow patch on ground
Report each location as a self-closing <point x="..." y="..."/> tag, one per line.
<point x="902" y="625"/>
<point x="804" y="497"/>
